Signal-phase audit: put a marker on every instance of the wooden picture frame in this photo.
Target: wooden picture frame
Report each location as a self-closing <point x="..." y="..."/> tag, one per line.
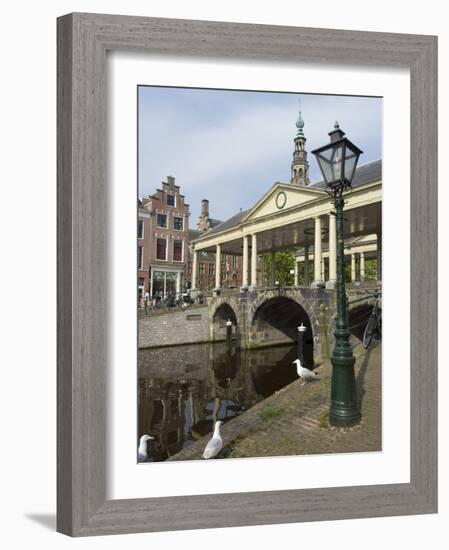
<point x="83" y="40"/>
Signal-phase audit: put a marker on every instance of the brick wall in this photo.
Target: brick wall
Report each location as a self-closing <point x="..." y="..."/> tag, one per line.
<point x="174" y="328"/>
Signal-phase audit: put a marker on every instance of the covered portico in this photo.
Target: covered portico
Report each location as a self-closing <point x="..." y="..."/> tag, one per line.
<point x="301" y="219"/>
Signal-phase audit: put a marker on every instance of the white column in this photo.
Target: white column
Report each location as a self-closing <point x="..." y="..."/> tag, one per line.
<point x="379" y="256"/>
<point x="165" y="284"/>
<point x="362" y="266"/>
<point x="254" y="261"/>
<point x="353" y="273"/>
<point x="332" y="251"/>
<point x="296" y="276"/>
<point x="273" y="269"/>
<point x="245" y="261"/>
<point x="306" y="265"/>
<point x="178" y="284"/>
<point x="151" y="284"/>
<point x="194" y="269"/>
<point x="318" y="281"/>
<point x="218" y="266"/>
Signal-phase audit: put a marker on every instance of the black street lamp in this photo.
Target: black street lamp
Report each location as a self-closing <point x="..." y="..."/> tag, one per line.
<point x="337" y="162"/>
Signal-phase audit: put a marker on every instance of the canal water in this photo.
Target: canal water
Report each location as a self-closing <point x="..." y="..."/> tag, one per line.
<point x="184" y="390"/>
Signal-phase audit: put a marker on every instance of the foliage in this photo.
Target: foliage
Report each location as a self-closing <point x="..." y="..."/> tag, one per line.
<point x="285" y="261"/>
<point x="371" y="270"/>
<point x="271" y="412"/>
<point x="323" y="420"/>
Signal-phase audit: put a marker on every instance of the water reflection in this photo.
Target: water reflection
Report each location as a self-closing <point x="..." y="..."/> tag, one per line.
<point x="183" y="391"/>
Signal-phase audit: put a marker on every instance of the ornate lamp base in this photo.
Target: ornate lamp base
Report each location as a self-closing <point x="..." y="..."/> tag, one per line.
<point x="344" y="410"/>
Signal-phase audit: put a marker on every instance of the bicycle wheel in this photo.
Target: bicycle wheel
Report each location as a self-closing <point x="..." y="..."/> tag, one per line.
<point x="369" y="331"/>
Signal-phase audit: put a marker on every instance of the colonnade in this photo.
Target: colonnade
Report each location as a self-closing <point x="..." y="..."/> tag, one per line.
<point x="249" y="276"/>
<point x="318" y="259"/>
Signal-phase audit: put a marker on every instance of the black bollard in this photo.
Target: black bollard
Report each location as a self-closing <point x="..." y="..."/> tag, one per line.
<point x="301" y="331"/>
<point x="229" y="332"/>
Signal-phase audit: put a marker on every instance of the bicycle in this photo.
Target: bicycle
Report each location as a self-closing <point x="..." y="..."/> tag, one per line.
<point x="374" y="324"/>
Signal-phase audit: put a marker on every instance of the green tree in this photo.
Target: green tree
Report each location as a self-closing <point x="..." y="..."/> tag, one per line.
<point x="284" y="261"/>
<point x="371" y="269"/>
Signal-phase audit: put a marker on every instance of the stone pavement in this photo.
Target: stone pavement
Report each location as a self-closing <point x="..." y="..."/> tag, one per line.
<point x="294" y="421"/>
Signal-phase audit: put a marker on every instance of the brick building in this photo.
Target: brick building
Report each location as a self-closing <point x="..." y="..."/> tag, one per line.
<point x="163" y="245"/>
<point x="162" y="241"/>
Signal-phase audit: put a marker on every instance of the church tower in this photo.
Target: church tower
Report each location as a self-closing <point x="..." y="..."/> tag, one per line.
<point x="300" y="166"/>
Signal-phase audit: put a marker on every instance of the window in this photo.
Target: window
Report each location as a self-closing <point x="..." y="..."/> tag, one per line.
<point x="162" y="220"/>
<point x="140" y="257"/>
<point x="177" y="251"/>
<point x="158" y="283"/>
<point x="170" y="283"/>
<point x="178" y="223"/>
<point x="141" y="287"/>
<point x="140" y="229"/>
<point x="170" y="200"/>
<point x="161" y="249"/>
<point x="201" y="269"/>
<point x="211" y="270"/>
<point x="234" y="262"/>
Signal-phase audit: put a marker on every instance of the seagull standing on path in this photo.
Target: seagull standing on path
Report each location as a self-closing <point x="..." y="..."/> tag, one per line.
<point x="305" y="374"/>
<point x="142" y="451"/>
<point x="215" y="444"/>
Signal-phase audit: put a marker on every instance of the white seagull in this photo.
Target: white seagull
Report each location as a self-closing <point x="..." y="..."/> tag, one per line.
<point x="142" y="451"/>
<point x="215" y="444"/>
<point x="305" y="374"/>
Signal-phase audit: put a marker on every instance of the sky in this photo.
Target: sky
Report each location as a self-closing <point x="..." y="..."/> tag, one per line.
<point x="231" y="146"/>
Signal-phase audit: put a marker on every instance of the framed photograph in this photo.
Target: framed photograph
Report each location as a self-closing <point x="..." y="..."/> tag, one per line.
<point x="247" y="285"/>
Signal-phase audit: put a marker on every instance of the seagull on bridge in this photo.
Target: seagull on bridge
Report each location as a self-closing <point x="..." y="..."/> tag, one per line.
<point x="305" y="374"/>
<point x="215" y="444"/>
<point x="142" y="451"/>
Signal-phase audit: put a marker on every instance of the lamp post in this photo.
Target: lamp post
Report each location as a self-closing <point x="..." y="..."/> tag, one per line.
<point x="337" y="162"/>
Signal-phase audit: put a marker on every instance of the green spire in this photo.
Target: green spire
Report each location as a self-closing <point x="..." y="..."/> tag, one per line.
<point x="300" y="126"/>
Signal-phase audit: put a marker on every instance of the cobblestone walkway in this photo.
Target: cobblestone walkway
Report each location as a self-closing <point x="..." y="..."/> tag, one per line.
<point x="294" y="421"/>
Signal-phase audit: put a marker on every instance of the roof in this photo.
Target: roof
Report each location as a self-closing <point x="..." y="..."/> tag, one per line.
<point x="372" y="171"/>
<point x="213" y="222"/>
<point x="364" y="174"/>
<point x="195" y="234"/>
<point x="227" y="224"/>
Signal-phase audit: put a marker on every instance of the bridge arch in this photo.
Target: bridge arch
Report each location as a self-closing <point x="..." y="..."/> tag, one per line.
<point x="275" y="319"/>
<point x="220" y="314"/>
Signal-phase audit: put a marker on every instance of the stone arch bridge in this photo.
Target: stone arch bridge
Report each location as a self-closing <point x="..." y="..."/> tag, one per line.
<point x="270" y="316"/>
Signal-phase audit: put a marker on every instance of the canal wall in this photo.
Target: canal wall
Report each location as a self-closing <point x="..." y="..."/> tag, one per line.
<point x="174" y="328"/>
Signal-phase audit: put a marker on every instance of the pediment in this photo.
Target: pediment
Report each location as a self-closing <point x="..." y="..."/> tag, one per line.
<point x="283" y="196"/>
